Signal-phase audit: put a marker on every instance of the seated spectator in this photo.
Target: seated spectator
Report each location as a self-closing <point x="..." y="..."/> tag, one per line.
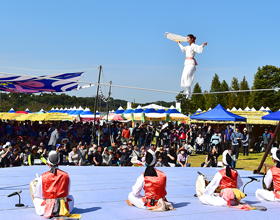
<point x="91" y="152"/>
<point x="83" y="148"/>
<point x="15" y="158"/>
<point x="74" y="157"/>
<point x="211" y="159"/>
<point x="169" y="157"/>
<point x="97" y="157"/>
<point x="159" y="162"/>
<point x="42" y="151"/>
<point x="5" y="155"/>
<point x="24" y="155"/>
<point x="182" y="158"/>
<point x="34" y="158"/>
<point x="74" y="143"/>
<point x="124" y="159"/>
<point x="62" y="152"/>
<point x="106" y="157"/>
<point x="199" y="142"/>
<point x="135" y="153"/>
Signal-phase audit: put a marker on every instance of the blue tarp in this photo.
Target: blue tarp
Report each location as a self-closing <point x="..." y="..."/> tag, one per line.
<point x="273" y="116"/>
<point x="218" y="114"/>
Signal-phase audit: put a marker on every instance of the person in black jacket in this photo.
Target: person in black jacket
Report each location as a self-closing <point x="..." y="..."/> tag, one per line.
<point x="149" y="137"/>
<point x="15" y="158"/>
<point x="142" y="135"/>
<point x="124" y="156"/>
<point x="136" y="134"/>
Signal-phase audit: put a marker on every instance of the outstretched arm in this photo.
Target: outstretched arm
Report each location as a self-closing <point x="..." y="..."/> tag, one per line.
<point x="182" y="48"/>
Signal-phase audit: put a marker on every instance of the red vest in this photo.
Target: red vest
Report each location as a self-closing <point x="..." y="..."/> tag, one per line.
<point x="228" y="182"/>
<point x="154" y="187"/>
<point x="55" y="185"/>
<point x="276" y="177"/>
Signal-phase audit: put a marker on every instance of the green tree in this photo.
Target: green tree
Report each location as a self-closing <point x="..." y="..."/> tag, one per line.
<point x="245" y="96"/>
<point x="267" y="77"/>
<point x="213" y="99"/>
<point x="186" y="105"/>
<point x="234" y="98"/>
<point x="197" y="101"/>
<point x="224" y="96"/>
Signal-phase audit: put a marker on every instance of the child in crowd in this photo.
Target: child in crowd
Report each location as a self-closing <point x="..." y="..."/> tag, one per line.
<point x="159" y="162"/>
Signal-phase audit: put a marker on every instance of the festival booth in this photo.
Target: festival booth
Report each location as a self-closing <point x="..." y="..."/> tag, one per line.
<point x="120" y="111"/>
<point x="172" y="114"/>
<point x="88" y="116"/>
<point x="150" y="114"/>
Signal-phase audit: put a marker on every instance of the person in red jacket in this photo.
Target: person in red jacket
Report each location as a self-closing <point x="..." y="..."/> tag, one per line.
<point x="153" y="182"/>
<point x="272" y="176"/>
<point x="126" y="133"/>
<point x="51" y="194"/>
<point x="227" y="178"/>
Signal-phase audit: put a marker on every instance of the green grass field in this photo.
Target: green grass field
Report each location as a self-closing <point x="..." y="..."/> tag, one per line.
<point x="246" y="163"/>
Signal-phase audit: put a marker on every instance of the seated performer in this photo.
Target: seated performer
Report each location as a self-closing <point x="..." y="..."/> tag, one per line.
<point x="153" y="182"/>
<point x="229" y="181"/>
<point x="51" y="195"/>
<point x="272" y="175"/>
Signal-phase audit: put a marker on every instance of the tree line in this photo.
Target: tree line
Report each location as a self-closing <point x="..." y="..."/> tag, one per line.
<point x="266" y="77"/>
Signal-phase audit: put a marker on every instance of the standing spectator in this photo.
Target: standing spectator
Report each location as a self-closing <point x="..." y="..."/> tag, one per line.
<point x="142" y="136"/>
<point x="175" y="138"/>
<point x="182" y="158"/>
<point x="97" y="157"/>
<point x="157" y="133"/>
<point x="10" y="129"/>
<point x="126" y="133"/>
<point x="5" y="155"/>
<point x="236" y="138"/>
<point x="191" y="137"/>
<point x="199" y="142"/>
<point x="106" y="157"/>
<point x="149" y="137"/>
<point x="227" y="138"/>
<point x="266" y="138"/>
<point x="216" y="140"/>
<point x="15" y="160"/>
<point x="271" y="135"/>
<point x="80" y="132"/>
<point x="208" y="135"/>
<point x="164" y="136"/>
<point x="182" y="136"/>
<point x="245" y="142"/>
<point x="53" y="139"/>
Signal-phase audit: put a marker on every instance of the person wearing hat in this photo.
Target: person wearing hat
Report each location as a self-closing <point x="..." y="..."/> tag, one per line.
<point x="245" y="142"/>
<point x="24" y="155"/>
<point x="51" y="195"/>
<point x="5" y="155"/>
<point x="34" y="155"/>
<point x="227" y="178"/>
<point x="153" y="182"/>
<point x="182" y="158"/>
<point x="15" y="160"/>
<point x="272" y="176"/>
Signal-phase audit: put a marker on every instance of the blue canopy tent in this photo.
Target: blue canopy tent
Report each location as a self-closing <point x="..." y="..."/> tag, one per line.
<point x="218" y="114"/>
<point x="273" y="116"/>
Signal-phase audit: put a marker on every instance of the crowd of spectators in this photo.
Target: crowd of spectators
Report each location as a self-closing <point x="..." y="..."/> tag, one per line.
<point x="117" y="144"/>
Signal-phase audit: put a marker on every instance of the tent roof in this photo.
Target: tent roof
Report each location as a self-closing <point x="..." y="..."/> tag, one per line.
<point x="218" y="114"/>
<point x="273" y="116"/>
<point x="154" y="106"/>
<point x="120" y="110"/>
<point x="172" y="109"/>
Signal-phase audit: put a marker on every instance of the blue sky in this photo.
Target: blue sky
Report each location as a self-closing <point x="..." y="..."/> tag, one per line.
<point x="127" y="39"/>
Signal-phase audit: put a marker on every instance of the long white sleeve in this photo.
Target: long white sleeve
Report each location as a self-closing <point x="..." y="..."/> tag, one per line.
<point x="138" y="186"/>
<point x="268" y="179"/>
<point x="182" y="48"/>
<point x="38" y="193"/>
<point x="215" y="182"/>
<point x="197" y="49"/>
<point x="239" y="182"/>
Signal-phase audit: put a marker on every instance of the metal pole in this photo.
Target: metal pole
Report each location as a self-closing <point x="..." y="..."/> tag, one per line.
<point x="108" y="103"/>
<point x="95" y="106"/>
<point x="268" y="149"/>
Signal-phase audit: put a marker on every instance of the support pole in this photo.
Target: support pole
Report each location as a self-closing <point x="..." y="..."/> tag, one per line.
<point x="268" y="149"/>
<point x="95" y="106"/>
<point x="108" y="103"/>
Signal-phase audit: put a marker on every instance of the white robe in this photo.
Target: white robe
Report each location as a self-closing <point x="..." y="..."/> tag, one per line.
<point x="265" y="195"/>
<point x="189" y="66"/>
<point x="208" y="197"/>
<point x="39" y="198"/>
<point x="135" y="197"/>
